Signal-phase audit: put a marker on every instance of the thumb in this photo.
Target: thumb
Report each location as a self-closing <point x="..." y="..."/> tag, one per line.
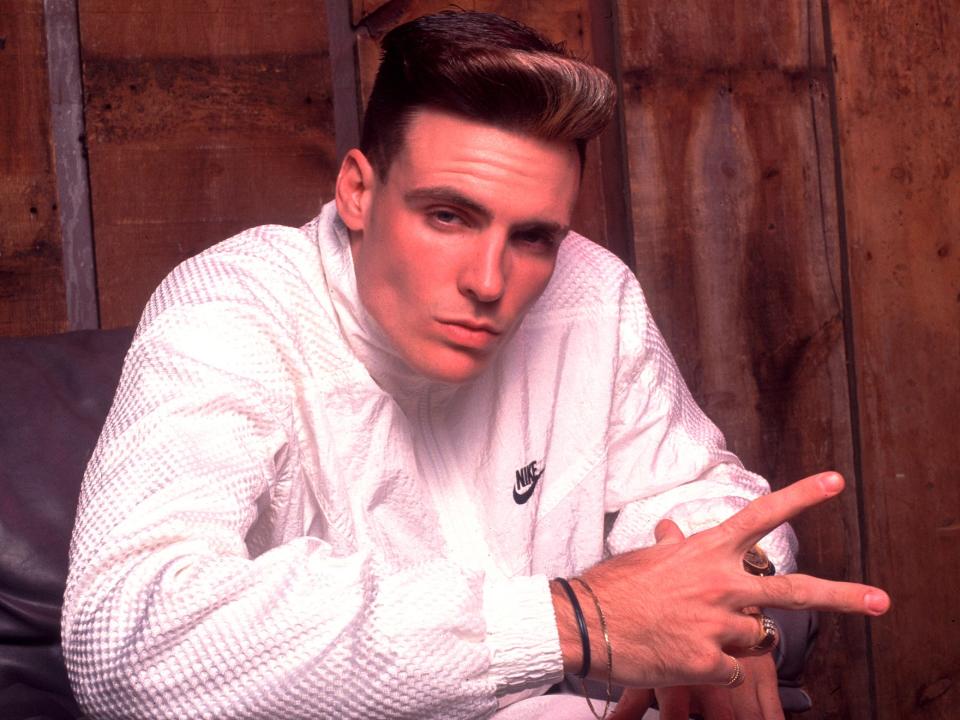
<point x="667" y="532"/>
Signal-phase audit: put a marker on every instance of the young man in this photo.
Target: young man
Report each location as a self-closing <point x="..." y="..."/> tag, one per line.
<point x="346" y="461"/>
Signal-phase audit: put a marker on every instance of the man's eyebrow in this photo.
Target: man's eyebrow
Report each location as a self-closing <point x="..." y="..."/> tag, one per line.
<point x="446" y="194"/>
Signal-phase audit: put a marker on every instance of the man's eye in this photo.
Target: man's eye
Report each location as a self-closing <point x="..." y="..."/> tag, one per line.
<point x="445" y="217"/>
<point x="542" y="239"/>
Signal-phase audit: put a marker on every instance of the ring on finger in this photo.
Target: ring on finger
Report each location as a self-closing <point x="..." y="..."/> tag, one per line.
<point x="756" y="562"/>
<point x="736" y="677"/>
<point x="769" y="633"/>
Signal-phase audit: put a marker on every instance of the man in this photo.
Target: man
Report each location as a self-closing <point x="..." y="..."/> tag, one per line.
<point x="346" y="462"/>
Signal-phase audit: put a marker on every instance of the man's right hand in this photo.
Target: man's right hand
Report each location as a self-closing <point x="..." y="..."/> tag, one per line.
<point x="675" y="610"/>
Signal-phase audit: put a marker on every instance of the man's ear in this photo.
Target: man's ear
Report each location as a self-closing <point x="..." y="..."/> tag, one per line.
<point x="355" y="184"/>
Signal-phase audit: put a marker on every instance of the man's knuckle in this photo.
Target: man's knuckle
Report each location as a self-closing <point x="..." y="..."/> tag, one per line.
<point x="741" y="523"/>
<point x="775" y="591"/>
<point x="711" y="665"/>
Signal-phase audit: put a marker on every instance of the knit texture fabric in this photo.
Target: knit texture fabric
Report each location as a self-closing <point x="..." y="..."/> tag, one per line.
<point x="280" y="520"/>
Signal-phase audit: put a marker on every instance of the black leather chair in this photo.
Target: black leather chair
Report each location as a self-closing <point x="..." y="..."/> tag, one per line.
<point x="55" y="392"/>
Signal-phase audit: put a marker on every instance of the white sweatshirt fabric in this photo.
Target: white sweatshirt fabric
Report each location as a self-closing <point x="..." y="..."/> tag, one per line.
<point x="281" y="520"/>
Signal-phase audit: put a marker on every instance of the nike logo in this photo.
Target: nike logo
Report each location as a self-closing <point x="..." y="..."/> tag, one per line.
<point x="526" y="482"/>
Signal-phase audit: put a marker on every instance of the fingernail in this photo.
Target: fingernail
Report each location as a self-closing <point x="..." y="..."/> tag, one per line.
<point x="876" y="602"/>
<point x="831" y="483"/>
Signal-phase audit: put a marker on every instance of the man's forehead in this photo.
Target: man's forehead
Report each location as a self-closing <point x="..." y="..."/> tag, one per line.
<point x="446" y="157"/>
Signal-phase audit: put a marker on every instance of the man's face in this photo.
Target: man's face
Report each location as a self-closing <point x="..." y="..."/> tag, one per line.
<point x="453" y="248"/>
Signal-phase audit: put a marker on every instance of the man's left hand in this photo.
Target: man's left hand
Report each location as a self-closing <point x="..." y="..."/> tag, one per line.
<point x="757" y="698"/>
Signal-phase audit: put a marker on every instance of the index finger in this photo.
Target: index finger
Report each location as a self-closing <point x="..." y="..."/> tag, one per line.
<point x="769" y="511"/>
<point x="796" y="592"/>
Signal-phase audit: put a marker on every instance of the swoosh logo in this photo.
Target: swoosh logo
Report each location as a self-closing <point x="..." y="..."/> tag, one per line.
<point x="526" y="481"/>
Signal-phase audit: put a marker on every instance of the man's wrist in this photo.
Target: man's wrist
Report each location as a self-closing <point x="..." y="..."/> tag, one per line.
<point x="570" y="645"/>
<point x="571" y="640"/>
<point x="580" y="621"/>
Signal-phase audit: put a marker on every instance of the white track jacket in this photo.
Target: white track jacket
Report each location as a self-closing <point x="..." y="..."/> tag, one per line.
<point x="281" y="521"/>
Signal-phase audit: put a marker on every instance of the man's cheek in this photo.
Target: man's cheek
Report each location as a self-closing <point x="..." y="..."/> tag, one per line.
<point x="399" y="283"/>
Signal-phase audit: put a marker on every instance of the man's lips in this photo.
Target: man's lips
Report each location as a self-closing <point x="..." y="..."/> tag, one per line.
<point x="473" y="334"/>
<point x="471" y="324"/>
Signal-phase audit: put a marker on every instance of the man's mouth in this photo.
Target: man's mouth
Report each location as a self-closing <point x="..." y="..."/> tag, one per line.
<point x="472" y="334"/>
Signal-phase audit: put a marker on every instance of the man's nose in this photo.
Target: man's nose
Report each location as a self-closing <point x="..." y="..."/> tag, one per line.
<point x="483" y="274"/>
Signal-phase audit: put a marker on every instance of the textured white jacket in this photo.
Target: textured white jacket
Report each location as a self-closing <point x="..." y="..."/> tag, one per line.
<point x="281" y="521"/>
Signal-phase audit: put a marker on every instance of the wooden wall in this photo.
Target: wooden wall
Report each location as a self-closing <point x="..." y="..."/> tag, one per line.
<point x="211" y="117"/>
<point x="732" y="177"/>
<point x="784" y="177"/>
<point x="796" y="205"/>
<point x="898" y="110"/>
<point x="32" y="293"/>
<point x="200" y="119"/>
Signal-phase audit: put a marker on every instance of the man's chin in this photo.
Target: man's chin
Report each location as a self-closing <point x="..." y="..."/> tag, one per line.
<point x="452" y="366"/>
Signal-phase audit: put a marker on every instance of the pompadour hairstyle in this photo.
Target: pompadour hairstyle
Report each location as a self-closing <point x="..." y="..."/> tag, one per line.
<point x="485" y="68"/>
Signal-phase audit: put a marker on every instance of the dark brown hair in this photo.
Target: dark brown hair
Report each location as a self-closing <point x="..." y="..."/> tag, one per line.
<point x="486" y="68"/>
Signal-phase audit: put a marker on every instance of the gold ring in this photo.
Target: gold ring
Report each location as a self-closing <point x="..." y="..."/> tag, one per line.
<point x="769" y="633"/>
<point x="736" y="677"/>
<point x="756" y="562"/>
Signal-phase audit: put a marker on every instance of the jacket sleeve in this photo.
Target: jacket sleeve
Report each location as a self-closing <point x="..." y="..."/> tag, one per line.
<point x="667" y="459"/>
<point x="169" y="613"/>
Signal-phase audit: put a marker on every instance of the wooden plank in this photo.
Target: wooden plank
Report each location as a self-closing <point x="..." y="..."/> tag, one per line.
<point x="73" y="186"/>
<point x="203" y="118"/>
<point x="31" y="272"/>
<point x="559" y="20"/>
<point x="734" y="209"/>
<point x="611" y="171"/>
<point x="188" y="28"/>
<point x="898" y="89"/>
<point x="344" y="70"/>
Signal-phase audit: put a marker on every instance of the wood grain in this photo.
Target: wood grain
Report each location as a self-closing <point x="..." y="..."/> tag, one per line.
<point x="899" y="115"/>
<point x="32" y="298"/>
<point x="735" y="220"/>
<point x="568" y="21"/>
<point x="202" y="120"/>
<point x="73" y="178"/>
